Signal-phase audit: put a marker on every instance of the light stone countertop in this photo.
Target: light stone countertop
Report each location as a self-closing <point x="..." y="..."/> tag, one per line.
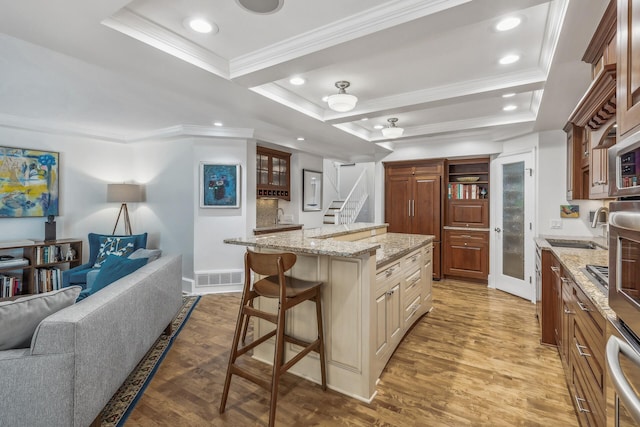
<point x="319" y="241"/>
<point x="575" y="260"/>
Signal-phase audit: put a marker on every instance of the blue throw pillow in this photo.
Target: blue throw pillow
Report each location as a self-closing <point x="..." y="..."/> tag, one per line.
<point x="113" y="268"/>
<point x="114" y="245"/>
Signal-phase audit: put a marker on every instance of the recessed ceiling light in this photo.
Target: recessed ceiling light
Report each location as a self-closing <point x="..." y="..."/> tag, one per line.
<point x="508" y="23"/>
<point x="217" y="124"/>
<point x="325" y="98"/>
<point x="509" y="95"/>
<point x="201" y="25"/>
<point x="297" y="81"/>
<point x="509" y="59"/>
<point x="300" y="138"/>
<point x="364" y="119"/>
<point x="378" y="126"/>
<point x="509" y="107"/>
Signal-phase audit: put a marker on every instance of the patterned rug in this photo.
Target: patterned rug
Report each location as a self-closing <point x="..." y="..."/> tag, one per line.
<point x="121" y="405"/>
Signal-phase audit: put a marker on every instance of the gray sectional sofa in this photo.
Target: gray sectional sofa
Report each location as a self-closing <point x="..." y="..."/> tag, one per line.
<point x="80" y="355"/>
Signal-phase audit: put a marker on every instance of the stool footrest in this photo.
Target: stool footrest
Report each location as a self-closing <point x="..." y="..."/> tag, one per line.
<point x="251" y="377"/>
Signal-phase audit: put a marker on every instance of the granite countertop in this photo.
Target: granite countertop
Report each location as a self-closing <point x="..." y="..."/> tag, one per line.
<point x="319" y="241"/>
<point x="575" y="260"/>
<point x="396" y="245"/>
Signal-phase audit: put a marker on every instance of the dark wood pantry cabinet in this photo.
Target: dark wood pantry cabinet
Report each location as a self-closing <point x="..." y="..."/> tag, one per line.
<point x="413" y="195"/>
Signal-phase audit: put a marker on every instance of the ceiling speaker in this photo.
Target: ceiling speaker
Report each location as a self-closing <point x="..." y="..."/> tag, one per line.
<point x="262" y="7"/>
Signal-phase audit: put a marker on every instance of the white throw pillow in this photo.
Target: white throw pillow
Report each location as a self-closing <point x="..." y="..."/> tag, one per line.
<point x="21" y="317"/>
<point x="151" y="254"/>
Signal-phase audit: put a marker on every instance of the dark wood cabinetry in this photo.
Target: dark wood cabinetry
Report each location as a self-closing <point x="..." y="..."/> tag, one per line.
<point x="466" y="235"/>
<point x="628" y="69"/>
<point x="273" y="173"/>
<point x="578" y="331"/>
<point x="413" y="194"/>
<point x="466" y="254"/>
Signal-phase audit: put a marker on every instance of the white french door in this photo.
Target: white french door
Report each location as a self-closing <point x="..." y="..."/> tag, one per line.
<point x="512" y="254"/>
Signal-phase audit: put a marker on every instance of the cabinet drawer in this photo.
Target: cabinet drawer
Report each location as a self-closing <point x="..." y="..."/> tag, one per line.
<point x="411" y="310"/>
<point x="589" y="358"/>
<point x="390" y="272"/>
<point x="588" y="408"/>
<point x="593" y="322"/>
<point x="412" y="261"/>
<point x="468" y="236"/>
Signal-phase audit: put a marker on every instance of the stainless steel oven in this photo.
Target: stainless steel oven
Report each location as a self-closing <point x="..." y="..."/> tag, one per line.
<point x="623" y="345"/>
<point x="623" y="377"/>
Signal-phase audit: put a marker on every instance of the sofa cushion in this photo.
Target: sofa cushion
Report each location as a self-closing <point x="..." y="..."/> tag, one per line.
<point x="150" y="254"/>
<point x="21" y="317"/>
<point x="114" y="245"/>
<point x="113" y="268"/>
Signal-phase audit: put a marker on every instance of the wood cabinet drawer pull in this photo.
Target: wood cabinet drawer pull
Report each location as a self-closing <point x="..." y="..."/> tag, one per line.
<point x="554" y="268"/>
<point x="583" y="307"/>
<point x="579" y="401"/>
<point x="580" y="352"/>
<point x="567" y="311"/>
<point x="564" y="279"/>
<point x="389" y="271"/>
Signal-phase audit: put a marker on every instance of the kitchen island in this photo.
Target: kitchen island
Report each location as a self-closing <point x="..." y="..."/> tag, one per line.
<point x="376" y="285"/>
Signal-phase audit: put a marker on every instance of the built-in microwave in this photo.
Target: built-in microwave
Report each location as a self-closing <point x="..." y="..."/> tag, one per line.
<point x="624" y="167"/>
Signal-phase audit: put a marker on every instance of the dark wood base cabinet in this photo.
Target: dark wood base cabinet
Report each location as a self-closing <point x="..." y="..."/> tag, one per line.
<point x="571" y="319"/>
<point x="466" y="254"/>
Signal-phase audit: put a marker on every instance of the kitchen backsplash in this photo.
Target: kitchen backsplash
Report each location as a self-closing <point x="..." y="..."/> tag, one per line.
<point x="266" y="212"/>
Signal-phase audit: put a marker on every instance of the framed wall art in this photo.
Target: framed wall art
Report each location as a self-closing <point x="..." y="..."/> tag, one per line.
<point x="219" y="185"/>
<point x="311" y="190"/>
<point x="29" y="182"/>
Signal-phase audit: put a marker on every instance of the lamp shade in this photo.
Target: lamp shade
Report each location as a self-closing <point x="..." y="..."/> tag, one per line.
<point x="392" y="132"/>
<point x="342" y="102"/>
<point x="124" y="193"/>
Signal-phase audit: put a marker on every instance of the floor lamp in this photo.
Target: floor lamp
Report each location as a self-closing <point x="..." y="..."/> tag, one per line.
<point x="124" y="193"/>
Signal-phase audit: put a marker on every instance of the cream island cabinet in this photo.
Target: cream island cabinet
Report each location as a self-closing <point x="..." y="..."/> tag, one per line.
<point x="376" y="285"/>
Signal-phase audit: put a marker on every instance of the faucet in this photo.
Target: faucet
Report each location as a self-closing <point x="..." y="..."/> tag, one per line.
<point x="604" y="224"/>
<point x="596" y="216"/>
<point x="278" y="217"/>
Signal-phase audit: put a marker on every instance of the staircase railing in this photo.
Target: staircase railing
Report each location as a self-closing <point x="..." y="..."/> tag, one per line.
<point x="353" y="203"/>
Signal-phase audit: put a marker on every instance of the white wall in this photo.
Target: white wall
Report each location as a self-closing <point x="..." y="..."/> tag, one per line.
<point x="168" y="213"/>
<point x="83" y="186"/>
<point x="552" y="190"/>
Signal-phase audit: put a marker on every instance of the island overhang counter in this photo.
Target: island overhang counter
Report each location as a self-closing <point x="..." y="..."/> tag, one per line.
<point x="376" y="285"/>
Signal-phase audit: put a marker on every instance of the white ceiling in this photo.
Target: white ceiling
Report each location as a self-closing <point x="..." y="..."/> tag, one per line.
<point x="130" y="70"/>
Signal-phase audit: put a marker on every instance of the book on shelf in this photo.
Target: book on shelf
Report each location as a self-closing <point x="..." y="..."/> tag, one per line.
<point x="47" y="279"/>
<point x="48" y="254"/>
<point x="464" y="191"/>
<point x="11" y="286"/>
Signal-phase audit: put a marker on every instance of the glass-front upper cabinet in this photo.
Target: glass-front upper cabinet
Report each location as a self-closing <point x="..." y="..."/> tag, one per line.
<point x="273" y="173"/>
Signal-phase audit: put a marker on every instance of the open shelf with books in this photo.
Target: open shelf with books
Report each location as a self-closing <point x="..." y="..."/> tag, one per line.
<point x="31" y="267"/>
<point x="468" y="192"/>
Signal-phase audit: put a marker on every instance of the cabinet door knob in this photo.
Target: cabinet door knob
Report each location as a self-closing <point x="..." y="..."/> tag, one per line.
<point x="497" y="230"/>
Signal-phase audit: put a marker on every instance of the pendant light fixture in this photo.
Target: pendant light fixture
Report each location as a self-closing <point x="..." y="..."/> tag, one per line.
<point x="392" y="131"/>
<point x="342" y="101"/>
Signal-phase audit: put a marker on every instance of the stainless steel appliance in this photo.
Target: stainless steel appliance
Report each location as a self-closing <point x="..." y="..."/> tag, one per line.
<point x="623" y="345"/>
<point x="624" y="167"/>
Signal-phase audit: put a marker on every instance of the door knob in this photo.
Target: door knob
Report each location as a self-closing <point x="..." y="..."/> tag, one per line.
<point x="497" y="229"/>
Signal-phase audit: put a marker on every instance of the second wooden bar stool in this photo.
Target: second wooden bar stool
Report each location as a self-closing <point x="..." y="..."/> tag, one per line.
<point x="290" y="292"/>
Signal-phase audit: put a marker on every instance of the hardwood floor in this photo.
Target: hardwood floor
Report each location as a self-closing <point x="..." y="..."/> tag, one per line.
<point x="474" y="360"/>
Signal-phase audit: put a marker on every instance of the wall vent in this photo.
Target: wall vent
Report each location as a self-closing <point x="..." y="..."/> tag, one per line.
<point x="219" y="278"/>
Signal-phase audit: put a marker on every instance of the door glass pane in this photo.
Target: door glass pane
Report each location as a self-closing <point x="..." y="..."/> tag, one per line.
<point x="513" y="220"/>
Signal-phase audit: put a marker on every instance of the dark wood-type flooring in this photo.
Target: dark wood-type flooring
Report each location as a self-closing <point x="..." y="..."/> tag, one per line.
<point x="474" y="360"/>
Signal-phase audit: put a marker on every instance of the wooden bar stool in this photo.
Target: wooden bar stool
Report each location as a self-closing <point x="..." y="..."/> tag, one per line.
<point x="290" y="292"/>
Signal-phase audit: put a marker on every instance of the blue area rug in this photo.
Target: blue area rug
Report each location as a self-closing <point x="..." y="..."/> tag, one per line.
<point x="116" y="412"/>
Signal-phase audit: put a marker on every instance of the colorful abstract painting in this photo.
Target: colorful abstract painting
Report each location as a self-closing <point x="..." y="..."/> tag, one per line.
<point x="219" y="186"/>
<point x="28" y="182"/>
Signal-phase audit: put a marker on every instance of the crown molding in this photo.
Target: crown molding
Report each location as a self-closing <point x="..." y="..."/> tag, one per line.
<point x="287" y="98"/>
<point x="59" y="128"/>
<point x="557" y="13"/>
<point x="133" y="25"/>
<point x="349" y="28"/>
<point x="531" y="79"/>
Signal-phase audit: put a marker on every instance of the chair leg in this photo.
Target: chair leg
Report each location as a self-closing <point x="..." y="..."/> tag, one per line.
<point x="278" y="360"/>
<point x="234" y="353"/>
<point x="245" y="326"/>
<point x="323" y="372"/>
